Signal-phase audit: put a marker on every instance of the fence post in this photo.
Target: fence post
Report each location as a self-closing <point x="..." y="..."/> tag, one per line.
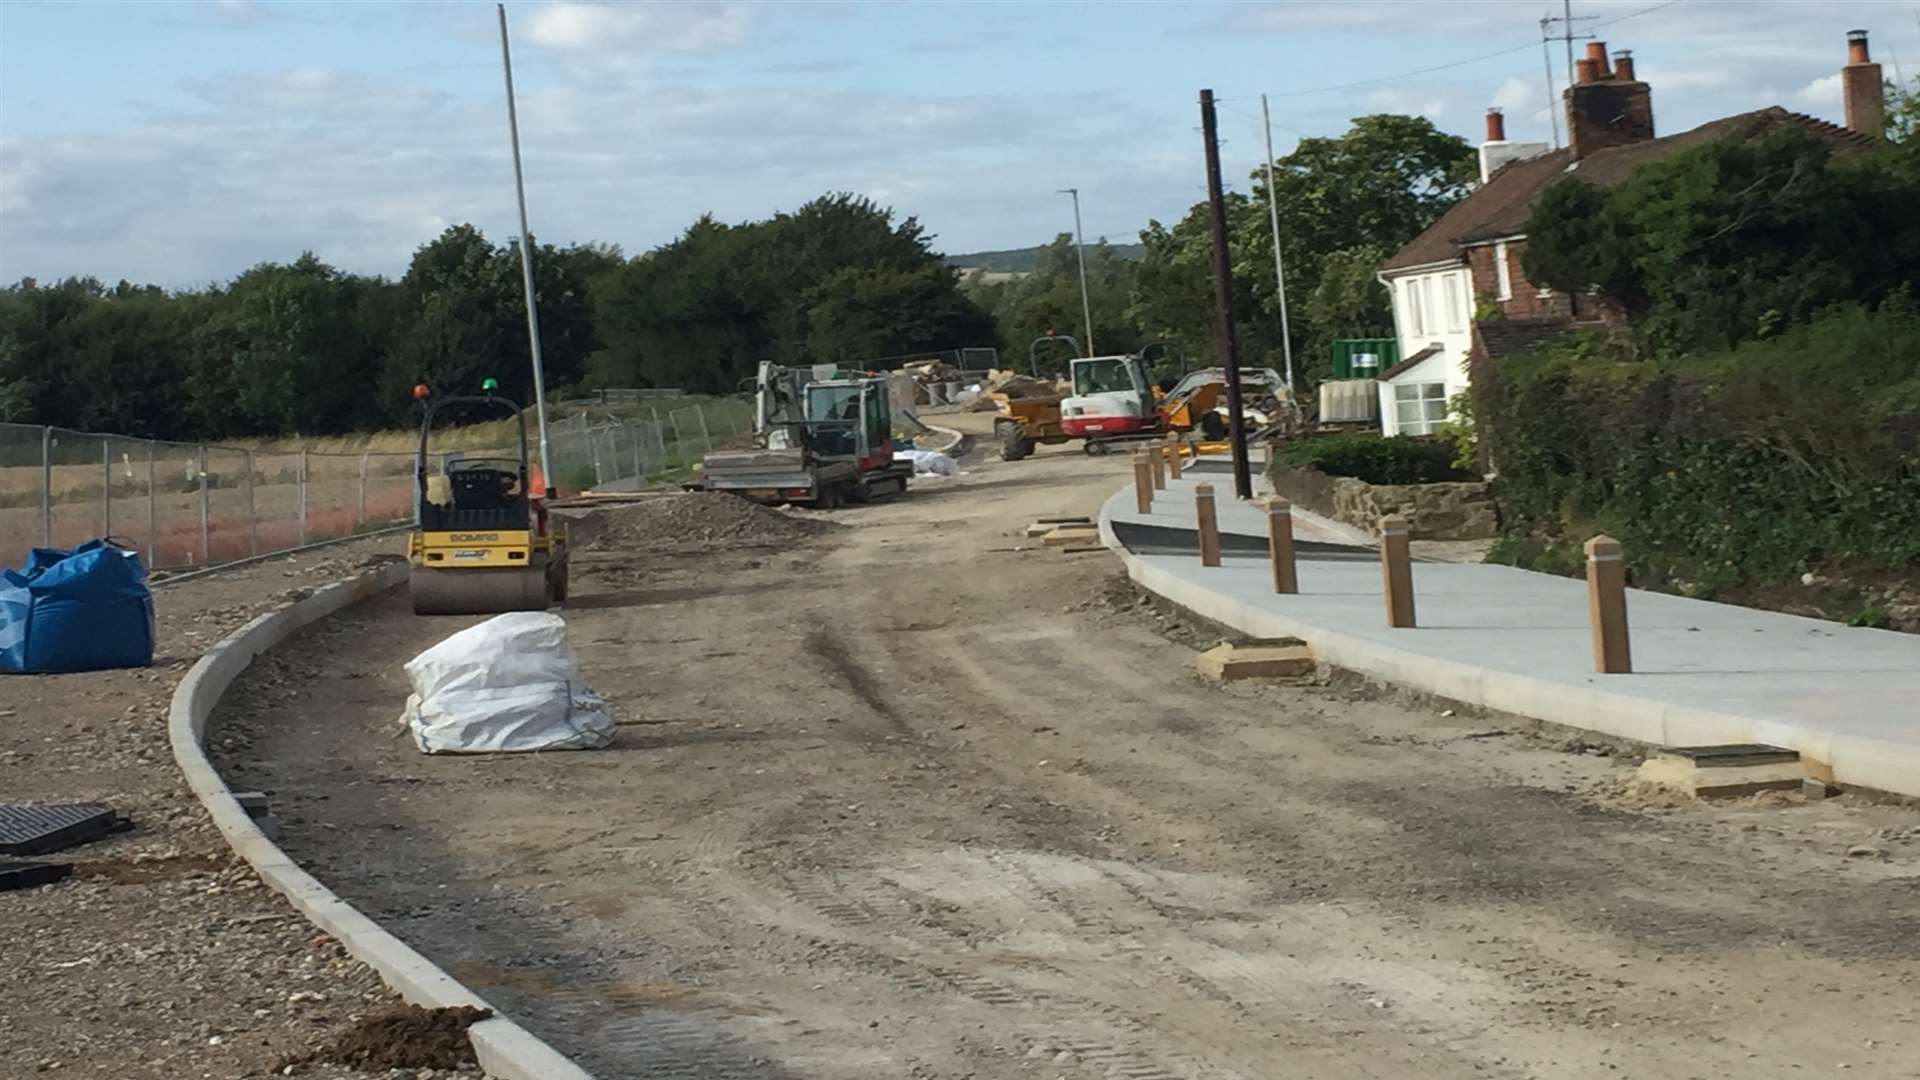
<point x="303" y="495"/>
<point x="1607" y="606"/>
<point x="253" y="518"/>
<point x="673" y="416"/>
<point x="106" y="487"/>
<point x="1396" y="571"/>
<point x="361" y="517"/>
<point x="206" y="515"/>
<point x="1208" y="524"/>
<point x="1286" y="573"/>
<point x="46" y="487"/>
<point x="706" y="438"/>
<point x="153" y="553"/>
<point x="1142" y="484"/>
<point x="636" y="429"/>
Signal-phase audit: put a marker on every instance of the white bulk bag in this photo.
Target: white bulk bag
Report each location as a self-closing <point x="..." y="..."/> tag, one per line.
<point x="928" y="462"/>
<point x="511" y="683"/>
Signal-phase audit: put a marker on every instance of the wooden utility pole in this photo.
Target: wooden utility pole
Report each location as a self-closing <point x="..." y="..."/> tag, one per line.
<point x="1223" y="302"/>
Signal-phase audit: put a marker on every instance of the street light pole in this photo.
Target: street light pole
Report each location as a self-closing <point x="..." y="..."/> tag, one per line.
<point x="1279" y="267"/>
<point x="526" y="263"/>
<point x="1080" y="249"/>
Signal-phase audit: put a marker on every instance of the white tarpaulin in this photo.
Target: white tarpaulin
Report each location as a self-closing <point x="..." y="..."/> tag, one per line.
<point x="510" y="684"/>
<point x="928" y="462"/>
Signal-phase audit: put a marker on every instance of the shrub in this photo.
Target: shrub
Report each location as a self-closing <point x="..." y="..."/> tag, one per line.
<point x="1376" y="459"/>
<point x="1743" y="467"/>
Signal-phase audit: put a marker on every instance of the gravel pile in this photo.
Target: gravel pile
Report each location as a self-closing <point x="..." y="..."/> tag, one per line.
<point x="700" y="519"/>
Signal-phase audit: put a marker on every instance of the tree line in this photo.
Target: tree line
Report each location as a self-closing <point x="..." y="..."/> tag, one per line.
<point x="306" y="348"/>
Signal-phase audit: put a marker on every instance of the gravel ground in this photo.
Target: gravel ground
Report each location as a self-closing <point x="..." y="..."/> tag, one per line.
<point x="162" y="956"/>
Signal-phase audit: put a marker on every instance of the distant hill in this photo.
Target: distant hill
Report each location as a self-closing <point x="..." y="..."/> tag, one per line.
<point x="1023" y="260"/>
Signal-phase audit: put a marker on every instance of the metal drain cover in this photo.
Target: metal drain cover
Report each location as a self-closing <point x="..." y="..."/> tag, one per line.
<point x="36" y="830"/>
<point x="27" y="875"/>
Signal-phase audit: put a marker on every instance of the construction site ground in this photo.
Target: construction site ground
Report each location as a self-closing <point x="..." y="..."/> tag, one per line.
<point x="909" y="795"/>
<point x="163" y="956"/>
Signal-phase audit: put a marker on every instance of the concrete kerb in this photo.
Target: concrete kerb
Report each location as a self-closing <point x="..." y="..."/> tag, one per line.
<point x="953" y="439"/>
<point x="1857" y="761"/>
<point x="505" y="1049"/>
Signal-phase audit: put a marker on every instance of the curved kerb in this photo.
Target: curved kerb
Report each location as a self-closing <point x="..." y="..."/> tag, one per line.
<point x="505" y="1049"/>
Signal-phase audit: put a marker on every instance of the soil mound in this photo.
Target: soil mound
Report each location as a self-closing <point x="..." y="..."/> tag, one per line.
<point x="401" y="1037"/>
<point x="693" y="519"/>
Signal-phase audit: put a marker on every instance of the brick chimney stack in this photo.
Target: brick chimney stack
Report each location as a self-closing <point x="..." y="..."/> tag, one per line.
<point x="1607" y="107"/>
<point x="1496" y="125"/>
<point x="1861" y="86"/>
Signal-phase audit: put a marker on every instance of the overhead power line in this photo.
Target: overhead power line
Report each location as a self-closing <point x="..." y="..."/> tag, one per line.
<point x="1465" y="61"/>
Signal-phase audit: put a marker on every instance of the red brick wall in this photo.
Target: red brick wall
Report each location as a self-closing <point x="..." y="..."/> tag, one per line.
<point x="1527" y="303"/>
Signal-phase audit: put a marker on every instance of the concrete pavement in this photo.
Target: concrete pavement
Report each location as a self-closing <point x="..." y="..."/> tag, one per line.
<point x="1847" y="698"/>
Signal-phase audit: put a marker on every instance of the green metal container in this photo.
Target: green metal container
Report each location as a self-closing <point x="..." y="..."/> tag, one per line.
<point x="1385" y="351"/>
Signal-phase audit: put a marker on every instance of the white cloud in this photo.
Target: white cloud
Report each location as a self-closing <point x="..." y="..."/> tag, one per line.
<point x="268" y="164"/>
<point x="1519" y="94"/>
<point x="1823" y="92"/>
<point x="683" y="27"/>
<point x="239" y="12"/>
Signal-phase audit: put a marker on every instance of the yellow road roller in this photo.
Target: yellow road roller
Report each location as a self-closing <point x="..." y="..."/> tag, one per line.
<point x="481" y="543"/>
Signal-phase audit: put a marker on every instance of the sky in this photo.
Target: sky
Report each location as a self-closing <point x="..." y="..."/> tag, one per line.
<point x="180" y="143"/>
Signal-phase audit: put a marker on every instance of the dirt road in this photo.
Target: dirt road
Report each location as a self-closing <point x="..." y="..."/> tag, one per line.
<point x="910" y="798"/>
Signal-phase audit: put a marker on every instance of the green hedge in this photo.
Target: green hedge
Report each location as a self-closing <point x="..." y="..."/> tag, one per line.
<point x="1376" y="459"/>
<point x="1716" y="471"/>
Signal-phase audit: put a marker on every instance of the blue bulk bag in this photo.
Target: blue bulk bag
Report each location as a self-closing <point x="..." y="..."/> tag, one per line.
<point x="80" y="610"/>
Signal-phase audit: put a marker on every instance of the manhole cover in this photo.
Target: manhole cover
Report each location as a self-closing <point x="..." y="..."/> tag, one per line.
<point x="1734" y="754"/>
<point x="27" y="875"/>
<point x="36" y="830"/>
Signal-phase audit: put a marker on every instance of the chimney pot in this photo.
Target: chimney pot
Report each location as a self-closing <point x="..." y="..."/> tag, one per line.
<point x="1585" y="70"/>
<point x="1597" y="52"/>
<point x="1623" y="65"/>
<point x="1496" y="125"/>
<point x="1857" y="47"/>
<point x="1861" y="88"/>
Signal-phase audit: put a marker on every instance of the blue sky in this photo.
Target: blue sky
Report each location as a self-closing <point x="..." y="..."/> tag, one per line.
<point x="181" y="143"/>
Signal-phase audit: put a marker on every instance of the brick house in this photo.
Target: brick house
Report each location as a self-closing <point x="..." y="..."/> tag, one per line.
<point x="1459" y="293"/>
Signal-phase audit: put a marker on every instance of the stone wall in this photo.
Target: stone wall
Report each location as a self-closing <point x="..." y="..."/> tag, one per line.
<point x="1458" y="510"/>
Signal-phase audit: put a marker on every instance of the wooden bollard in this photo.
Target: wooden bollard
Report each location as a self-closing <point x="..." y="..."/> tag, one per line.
<point x="1209" y="528"/>
<point x="1142" y="484"/>
<point x="1158" y="463"/>
<point x="1607" y="606"/>
<point x="1286" y="578"/>
<point x="1396" y="571"/>
<point x="1173" y="456"/>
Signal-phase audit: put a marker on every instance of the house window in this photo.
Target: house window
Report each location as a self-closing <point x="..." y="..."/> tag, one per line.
<point x="1416" y="313"/>
<point x="1502" y="274"/>
<point x="1456" y="302"/>
<point x="1419" y="408"/>
<point x="1428" y="305"/>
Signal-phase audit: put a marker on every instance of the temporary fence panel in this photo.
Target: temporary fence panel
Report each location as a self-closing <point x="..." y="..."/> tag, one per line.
<point x="77" y="508"/>
<point x="185" y="504"/>
<point x="275" y="522"/>
<point x="176" y="539"/>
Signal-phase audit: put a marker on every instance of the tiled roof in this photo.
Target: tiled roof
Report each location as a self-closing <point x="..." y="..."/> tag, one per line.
<point x="1501" y="206"/>
<point x="1512" y="337"/>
